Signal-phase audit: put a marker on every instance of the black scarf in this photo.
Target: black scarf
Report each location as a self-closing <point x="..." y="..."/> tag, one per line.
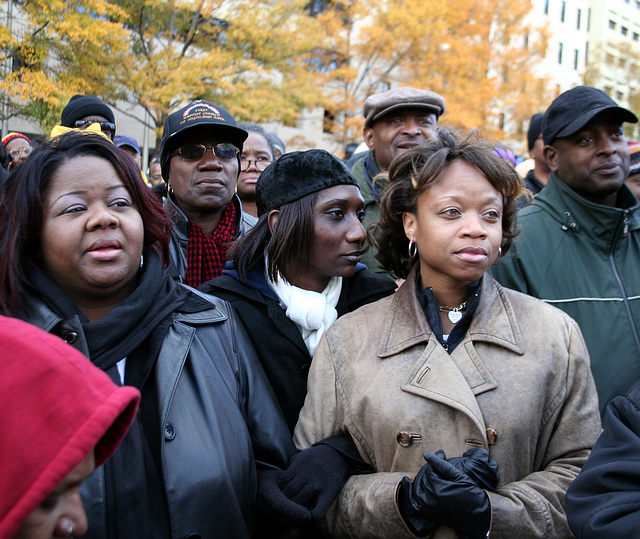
<point x="123" y="329"/>
<point x="135" y="329"/>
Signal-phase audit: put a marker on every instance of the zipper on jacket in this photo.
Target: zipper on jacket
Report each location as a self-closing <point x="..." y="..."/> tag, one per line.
<point x="625" y="230"/>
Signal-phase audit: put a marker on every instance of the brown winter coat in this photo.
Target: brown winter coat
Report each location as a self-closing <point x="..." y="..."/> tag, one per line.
<point x="522" y="370"/>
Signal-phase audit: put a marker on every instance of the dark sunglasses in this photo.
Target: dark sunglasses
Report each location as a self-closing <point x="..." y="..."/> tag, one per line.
<point x="193" y="151"/>
<point x="105" y="127"/>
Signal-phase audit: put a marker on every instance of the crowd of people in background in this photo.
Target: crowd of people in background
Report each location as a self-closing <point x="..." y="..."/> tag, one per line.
<point x="430" y="338"/>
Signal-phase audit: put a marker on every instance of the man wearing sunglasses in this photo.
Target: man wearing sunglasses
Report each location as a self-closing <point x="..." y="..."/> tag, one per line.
<point x="84" y="110"/>
<point x="200" y="159"/>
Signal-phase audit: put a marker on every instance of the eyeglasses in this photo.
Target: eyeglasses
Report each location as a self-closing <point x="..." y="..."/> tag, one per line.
<point x="261" y="163"/>
<point x="105" y="127"/>
<point x="20" y="151"/>
<point x="192" y="151"/>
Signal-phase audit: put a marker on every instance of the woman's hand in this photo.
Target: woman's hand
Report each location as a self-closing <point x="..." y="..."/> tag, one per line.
<point x="478" y="465"/>
<point x="442" y="494"/>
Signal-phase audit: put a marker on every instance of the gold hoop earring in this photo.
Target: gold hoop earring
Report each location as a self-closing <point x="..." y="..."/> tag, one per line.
<point x="413" y="249"/>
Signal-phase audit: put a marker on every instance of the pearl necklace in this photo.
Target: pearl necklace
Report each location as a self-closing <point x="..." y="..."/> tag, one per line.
<point x="453" y="313"/>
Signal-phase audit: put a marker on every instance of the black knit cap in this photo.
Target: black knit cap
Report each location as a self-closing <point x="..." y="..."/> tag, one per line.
<point x="573" y="109"/>
<point x="298" y="174"/>
<point x="81" y="106"/>
<point x="201" y="114"/>
<point x="535" y="129"/>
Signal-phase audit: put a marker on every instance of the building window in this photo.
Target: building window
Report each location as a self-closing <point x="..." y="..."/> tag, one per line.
<point x="546" y="6"/>
<point x="579" y="17"/>
<point x="575" y="59"/>
<point x="637" y="4"/>
<point x="563" y="7"/>
<point x="635" y="36"/>
<point x="619" y="96"/>
<point x="586" y="53"/>
<point x="612" y="24"/>
<point x="624" y="30"/>
<point x="589" y="19"/>
<point x="560" y="53"/>
<point x="608" y="90"/>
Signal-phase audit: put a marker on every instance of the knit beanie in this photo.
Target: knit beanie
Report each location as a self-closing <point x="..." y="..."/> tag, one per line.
<point x="634" y="157"/>
<point x="81" y="106"/>
<point x="12" y="136"/>
<point x="297" y="174"/>
<point x="56" y="407"/>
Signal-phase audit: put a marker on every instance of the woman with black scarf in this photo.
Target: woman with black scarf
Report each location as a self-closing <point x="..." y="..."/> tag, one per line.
<point x="83" y="252"/>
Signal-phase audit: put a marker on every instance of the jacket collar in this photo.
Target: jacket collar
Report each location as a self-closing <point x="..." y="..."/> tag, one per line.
<point x="576" y="214"/>
<point x="493" y="321"/>
<point x="180" y="221"/>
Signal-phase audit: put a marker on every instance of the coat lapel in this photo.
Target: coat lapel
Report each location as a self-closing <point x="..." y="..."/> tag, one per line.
<point x="456" y="379"/>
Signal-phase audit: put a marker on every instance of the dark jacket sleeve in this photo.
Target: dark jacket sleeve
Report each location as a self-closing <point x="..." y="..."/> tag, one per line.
<point x="604" y="500"/>
<point x="272" y="442"/>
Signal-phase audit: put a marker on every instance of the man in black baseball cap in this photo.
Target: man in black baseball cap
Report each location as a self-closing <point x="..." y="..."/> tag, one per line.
<point x="579" y="248"/>
<point x="536" y="178"/>
<point x="200" y="159"/>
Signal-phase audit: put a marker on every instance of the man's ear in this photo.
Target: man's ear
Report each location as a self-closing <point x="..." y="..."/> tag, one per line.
<point x="551" y="157"/>
<point x="272" y="219"/>
<point x="368" y="136"/>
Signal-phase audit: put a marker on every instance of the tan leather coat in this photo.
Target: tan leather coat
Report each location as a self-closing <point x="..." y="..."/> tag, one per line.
<point x="518" y="385"/>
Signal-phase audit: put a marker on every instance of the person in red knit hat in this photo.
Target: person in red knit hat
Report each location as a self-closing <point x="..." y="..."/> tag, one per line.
<point x="61" y="417"/>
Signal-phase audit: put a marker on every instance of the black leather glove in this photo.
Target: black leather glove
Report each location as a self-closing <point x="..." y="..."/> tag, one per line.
<point x="478" y="465"/>
<point x="273" y="504"/>
<point x="315" y="476"/>
<point x="443" y="495"/>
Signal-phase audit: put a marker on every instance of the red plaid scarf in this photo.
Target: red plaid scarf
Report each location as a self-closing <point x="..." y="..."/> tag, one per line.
<point x="206" y="255"/>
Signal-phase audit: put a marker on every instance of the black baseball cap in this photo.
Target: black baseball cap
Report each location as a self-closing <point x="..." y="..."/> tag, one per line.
<point x="573" y="109"/>
<point x="204" y="116"/>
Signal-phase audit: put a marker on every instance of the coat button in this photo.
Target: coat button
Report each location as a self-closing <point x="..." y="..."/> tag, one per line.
<point x="492" y="436"/>
<point x="169" y="431"/>
<point x="71" y="337"/>
<point x="405" y="439"/>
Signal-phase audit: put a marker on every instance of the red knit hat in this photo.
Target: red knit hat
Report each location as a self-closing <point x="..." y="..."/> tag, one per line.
<point x="8" y="138"/>
<point x="56" y="407"/>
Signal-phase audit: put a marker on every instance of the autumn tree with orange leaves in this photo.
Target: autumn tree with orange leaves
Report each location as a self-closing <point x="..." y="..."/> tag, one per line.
<point x="479" y="55"/>
<point x="266" y="60"/>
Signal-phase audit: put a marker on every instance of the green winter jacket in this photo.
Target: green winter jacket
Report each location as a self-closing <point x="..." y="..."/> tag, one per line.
<point x="584" y="258"/>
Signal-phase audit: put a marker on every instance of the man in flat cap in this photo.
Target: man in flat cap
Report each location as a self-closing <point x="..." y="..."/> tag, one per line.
<point x="394" y="121"/>
<point x="579" y="248"/>
<point x="200" y="160"/>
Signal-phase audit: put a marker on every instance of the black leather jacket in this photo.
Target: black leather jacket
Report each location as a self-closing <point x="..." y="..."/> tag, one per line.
<point x="218" y="413"/>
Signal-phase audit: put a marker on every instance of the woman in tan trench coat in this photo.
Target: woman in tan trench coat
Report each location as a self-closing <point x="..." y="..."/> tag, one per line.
<point x="453" y="365"/>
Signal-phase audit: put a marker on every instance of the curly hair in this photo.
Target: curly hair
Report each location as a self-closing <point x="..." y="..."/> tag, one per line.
<point x="23" y="196"/>
<point x="410" y="175"/>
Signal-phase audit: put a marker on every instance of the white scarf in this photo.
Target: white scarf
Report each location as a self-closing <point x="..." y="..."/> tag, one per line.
<point x="312" y="312"/>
